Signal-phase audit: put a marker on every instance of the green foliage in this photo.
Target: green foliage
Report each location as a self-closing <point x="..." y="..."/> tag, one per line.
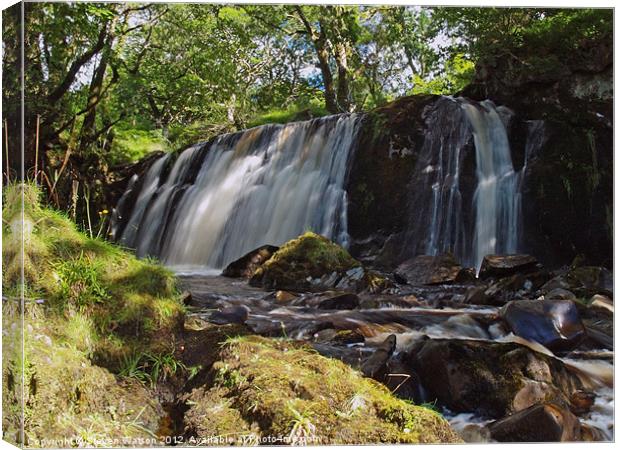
<point x="150" y="368"/>
<point x="106" y="297"/>
<point x="291" y="114"/>
<point x="79" y="282"/>
<point x="458" y="73"/>
<point x="130" y="145"/>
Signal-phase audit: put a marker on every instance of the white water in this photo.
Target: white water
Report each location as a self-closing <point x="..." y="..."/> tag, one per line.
<point x="151" y="181"/>
<point x="263" y="186"/>
<point x="496" y="199"/>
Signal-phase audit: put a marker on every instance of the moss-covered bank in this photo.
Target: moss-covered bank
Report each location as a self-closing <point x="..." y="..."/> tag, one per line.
<point x="278" y="391"/>
<point x="91" y="311"/>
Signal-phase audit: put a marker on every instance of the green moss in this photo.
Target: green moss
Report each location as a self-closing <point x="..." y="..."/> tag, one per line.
<point x="309" y="255"/>
<point x="295" y="395"/>
<point x="65" y="396"/>
<point x="114" y="293"/>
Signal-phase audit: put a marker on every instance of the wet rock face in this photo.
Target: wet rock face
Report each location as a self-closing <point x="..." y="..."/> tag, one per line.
<point x="342" y="301"/>
<point x="538" y="423"/>
<point x="584" y="281"/>
<point x="505" y="265"/>
<point x="492" y="379"/>
<point x="561" y="135"/>
<point x="245" y="266"/>
<point x="426" y="269"/>
<point x="553" y="323"/>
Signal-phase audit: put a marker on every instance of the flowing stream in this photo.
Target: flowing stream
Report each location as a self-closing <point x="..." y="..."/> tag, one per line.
<point x="216" y="201"/>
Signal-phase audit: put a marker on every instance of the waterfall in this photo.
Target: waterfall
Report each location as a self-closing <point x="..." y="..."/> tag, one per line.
<point x="262" y="186"/>
<point x="266" y="185"/>
<point x="497" y="199"/>
<point x="465" y="194"/>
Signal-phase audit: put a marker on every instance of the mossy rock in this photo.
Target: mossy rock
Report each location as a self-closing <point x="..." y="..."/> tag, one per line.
<point x="285" y="392"/>
<point x="308" y="256"/>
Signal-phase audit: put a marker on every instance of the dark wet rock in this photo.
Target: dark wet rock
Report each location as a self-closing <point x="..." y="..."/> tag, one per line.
<point x="500" y="291"/>
<point x="556" y="324"/>
<point x="426" y="269"/>
<point x="581" y="402"/>
<point x="231" y="314"/>
<point x="600" y="333"/>
<point x="584" y="281"/>
<point x="375" y="366"/>
<point x="339" y="337"/>
<point x="539" y="423"/>
<point x="186" y="297"/>
<point x="342" y="301"/>
<point x="402" y="381"/>
<point x="347" y="337"/>
<point x="476" y="295"/>
<point x="245" y="266"/>
<point x="505" y="265"/>
<point x="560" y="294"/>
<point x="489" y="378"/>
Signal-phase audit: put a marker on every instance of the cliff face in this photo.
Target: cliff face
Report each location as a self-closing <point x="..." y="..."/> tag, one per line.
<point x="558" y="118"/>
<point x="537" y="128"/>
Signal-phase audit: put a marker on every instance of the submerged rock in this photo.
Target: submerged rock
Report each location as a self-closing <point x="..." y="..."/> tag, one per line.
<point x="538" y="423"/>
<point x="342" y="301"/>
<point x="489" y="378"/>
<point x="553" y="323"/>
<point x="231" y="314"/>
<point x="245" y="266"/>
<point x="504" y="265"/>
<point x="427" y="269"/>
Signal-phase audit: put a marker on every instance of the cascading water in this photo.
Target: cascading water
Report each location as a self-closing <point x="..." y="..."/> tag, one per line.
<point x="496" y="199"/>
<point x="269" y="184"/>
<point x="262" y="186"/>
<point x="465" y="195"/>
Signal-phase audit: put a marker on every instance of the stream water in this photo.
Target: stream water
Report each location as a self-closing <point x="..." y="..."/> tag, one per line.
<point x="382" y="315"/>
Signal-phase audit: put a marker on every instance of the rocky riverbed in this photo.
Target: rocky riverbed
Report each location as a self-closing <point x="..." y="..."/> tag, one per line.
<point x="495" y="354"/>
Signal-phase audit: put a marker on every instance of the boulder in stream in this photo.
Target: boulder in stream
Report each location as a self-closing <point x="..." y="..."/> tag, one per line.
<point x="313" y="263"/>
<point x="245" y="266"/>
<point x="340" y="301"/>
<point x="376" y="364"/>
<point x="231" y="314"/>
<point x="584" y="281"/>
<point x="539" y="423"/>
<point x="427" y="269"/>
<point x="505" y="265"/>
<point x="489" y="378"/>
<point x="280" y="389"/>
<point x="556" y="324"/>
